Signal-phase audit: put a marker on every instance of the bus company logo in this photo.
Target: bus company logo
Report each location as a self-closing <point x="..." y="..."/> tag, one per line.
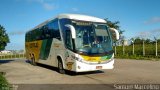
<point x="69" y="65"/>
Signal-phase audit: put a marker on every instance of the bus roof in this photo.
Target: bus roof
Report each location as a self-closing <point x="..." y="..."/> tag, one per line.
<point x="81" y="17"/>
<point x="73" y="16"/>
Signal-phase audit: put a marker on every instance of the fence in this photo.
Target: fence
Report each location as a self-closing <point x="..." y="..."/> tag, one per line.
<point x="12" y="56"/>
<point x="143" y="49"/>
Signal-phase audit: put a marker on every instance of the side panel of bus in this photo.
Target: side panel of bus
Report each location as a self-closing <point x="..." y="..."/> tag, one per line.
<point x="49" y="47"/>
<point x="33" y="48"/>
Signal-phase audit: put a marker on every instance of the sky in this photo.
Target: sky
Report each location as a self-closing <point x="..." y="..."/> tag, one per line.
<point x="136" y="17"/>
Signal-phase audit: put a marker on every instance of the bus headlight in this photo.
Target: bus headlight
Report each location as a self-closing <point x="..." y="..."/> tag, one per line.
<point x="76" y="58"/>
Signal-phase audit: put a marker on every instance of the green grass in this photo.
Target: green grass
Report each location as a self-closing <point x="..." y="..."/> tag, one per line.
<point x="4" y="85"/>
<point x="138" y="57"/>
<point x="12" y="56"/>
<point x="138" y="52"/>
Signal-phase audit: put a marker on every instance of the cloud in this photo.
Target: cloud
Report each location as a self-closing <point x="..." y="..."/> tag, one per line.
<point x="46" y="4"/>
<point x="38" y="1"/>
<point x="149" y="34"/>
<point x="153" y="20"/>
<point x="17" y="33"/>
<point x="75" y="9"/>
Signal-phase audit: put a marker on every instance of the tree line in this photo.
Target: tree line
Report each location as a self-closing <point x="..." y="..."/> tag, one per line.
<point x="139" y="40"/>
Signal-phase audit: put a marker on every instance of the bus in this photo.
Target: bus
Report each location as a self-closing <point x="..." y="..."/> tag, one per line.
<point x="73" y="42"/>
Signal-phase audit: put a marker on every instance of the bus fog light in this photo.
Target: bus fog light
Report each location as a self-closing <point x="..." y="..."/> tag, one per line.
<point x="79" y="67"/>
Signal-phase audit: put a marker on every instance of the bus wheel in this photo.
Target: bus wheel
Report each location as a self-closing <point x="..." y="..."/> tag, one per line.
<point x="33" y="60"/>
<point x="60" y="67"/>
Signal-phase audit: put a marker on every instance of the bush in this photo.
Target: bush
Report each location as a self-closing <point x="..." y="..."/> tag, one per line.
<point x="4" y="85"/>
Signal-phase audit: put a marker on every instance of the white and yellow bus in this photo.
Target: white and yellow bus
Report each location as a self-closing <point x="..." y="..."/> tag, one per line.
<point x="72" y="42"/>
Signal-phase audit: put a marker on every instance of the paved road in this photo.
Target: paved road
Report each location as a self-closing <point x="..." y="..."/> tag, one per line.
<point x="125" y="72"/>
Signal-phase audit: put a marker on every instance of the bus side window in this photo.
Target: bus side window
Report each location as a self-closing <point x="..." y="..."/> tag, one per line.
<point x="54" y="29"/>
<point x="68" y="40"/>
<point x="46" y="32"/>
<point x="63" y="22"/>
<point x="43" y="33"/>
<point x="39" y="34"/>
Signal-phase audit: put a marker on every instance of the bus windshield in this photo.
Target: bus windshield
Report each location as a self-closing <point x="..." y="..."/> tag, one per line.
<point x="92" y="38"/>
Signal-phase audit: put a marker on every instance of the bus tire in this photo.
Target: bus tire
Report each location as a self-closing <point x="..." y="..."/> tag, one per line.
<point x="60" y="67"/>
<point x="33" y="60"/>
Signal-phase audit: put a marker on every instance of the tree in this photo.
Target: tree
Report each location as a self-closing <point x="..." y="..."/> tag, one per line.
<point x="114" y="25"/>
<point x="138" y="40"/>
<point x="4" y="39"/>
<point x="148" y="40"/>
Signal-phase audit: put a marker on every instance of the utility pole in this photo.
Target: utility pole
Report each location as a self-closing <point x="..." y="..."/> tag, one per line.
<point x="156" y="48"/>
<point x="123" y="48"/>
<point x="156" y="45"/>
<point x="143" y="48"/>
<point x="132" y="40"/>
<point x="133" y="48"/>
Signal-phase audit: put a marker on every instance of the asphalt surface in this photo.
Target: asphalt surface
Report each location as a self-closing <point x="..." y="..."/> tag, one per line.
<point x="22" y="73"/>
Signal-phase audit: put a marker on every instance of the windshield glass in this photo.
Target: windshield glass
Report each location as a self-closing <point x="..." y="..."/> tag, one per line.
<point x="92" y="38"/>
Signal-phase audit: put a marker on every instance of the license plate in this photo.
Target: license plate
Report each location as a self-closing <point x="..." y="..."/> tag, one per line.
<point x="98" y="67"/>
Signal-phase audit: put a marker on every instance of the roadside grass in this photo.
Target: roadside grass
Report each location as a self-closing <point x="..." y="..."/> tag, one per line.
<point x="138" y="57"/>
<point x="12" y="56"/>
<point x="149" y="54"/>
<point x="4" y="85"/>
<point x="126" y="52"/>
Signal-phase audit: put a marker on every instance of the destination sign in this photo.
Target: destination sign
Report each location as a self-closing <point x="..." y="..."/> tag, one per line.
<point x="82" y="23"/>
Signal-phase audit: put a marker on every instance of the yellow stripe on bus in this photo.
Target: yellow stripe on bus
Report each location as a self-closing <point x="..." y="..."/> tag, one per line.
<point x="33" y="48"/>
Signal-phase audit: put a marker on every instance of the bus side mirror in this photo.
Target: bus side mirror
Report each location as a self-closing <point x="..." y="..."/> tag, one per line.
<point x="115" y="33"/>
<point x="72" y="29"/>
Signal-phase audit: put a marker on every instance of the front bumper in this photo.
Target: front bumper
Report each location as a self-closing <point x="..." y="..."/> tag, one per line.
<point x="83" y="67"/>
